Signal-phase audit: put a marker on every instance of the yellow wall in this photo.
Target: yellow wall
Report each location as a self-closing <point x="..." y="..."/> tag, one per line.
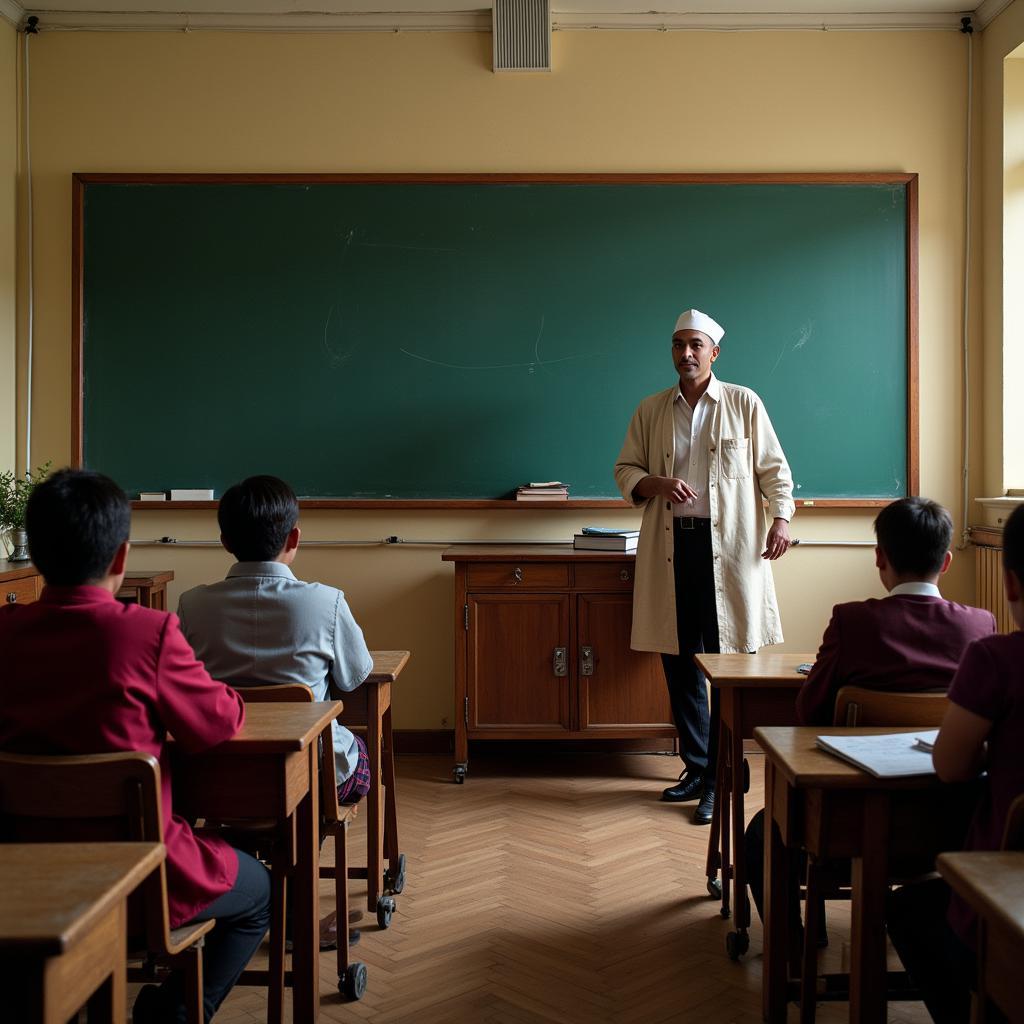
<point x="999" y="39"/>
<point x="1013" y="265"/>
<point x="8" y="238"/>
<point x="428" y="102"/>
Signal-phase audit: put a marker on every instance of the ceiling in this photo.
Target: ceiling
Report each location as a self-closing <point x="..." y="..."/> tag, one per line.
<point x="307" y="15"/>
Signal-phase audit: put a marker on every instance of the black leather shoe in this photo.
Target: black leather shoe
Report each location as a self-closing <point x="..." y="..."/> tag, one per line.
<point x="688" y="788"/>
<point x="706" y="807"/>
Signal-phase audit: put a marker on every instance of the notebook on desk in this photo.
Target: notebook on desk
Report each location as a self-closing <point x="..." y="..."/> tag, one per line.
<point x="888" y="755"/>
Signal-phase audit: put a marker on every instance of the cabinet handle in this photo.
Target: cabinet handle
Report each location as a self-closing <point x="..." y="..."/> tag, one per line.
<point x="517" y="575"/>
<point x="586" y="661"/>
<point x="12" y="597"/>
<point x="560" y="661"/>
<point x="624" y="575"/>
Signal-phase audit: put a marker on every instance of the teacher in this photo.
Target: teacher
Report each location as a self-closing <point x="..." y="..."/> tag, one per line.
<point x="701" y="457"/>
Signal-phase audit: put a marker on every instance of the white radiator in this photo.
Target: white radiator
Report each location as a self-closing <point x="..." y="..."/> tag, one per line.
<point x="988" y="569"/>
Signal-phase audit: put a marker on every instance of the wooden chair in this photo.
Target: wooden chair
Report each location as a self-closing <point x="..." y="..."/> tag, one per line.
<point x="110" y="797"/>
<point x="277" y="848"/>
<point x="856" y="706"/>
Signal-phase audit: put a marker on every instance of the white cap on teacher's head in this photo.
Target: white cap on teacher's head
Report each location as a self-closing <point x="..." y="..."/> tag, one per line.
<point x="695" y="320"/>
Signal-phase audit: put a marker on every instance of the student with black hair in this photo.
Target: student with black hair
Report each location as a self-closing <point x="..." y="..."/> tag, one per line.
<point x="910" y="640"/>
<point x="261" y="626"/>
<point x="933" y="930"/>
<point x="84" y="674"/>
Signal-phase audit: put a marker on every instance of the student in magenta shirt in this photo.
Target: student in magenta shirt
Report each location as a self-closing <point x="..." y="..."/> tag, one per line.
<point x="983" y="730"/>
<point x="82" y="673"/>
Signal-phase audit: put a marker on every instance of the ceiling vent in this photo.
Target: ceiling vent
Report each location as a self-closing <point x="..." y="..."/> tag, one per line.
<point x="522" y="35"/>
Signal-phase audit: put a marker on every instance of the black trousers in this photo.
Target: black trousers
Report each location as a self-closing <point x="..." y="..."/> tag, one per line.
<point x="697" y="629"/>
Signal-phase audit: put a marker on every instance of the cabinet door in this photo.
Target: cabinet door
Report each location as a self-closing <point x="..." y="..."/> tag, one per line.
<point x="512" y="680"/>
<point x="626" y="688"/>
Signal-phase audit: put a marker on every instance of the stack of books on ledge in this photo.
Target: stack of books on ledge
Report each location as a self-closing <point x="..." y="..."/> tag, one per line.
<point x="605" y="538"/>
<point x="552" y="490"/>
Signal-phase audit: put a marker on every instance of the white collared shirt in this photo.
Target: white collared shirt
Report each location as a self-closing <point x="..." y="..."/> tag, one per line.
<point x="918" y="588"/>
<point x="690" y="461"/>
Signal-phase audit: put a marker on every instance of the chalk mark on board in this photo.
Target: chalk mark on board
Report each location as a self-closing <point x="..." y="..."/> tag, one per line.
<point x="333" y="357"/>
<point x="398" y="245"/>
<point x="802" y="338"/>
<point x="536" y="345"/>
<point x="489" y="366"/>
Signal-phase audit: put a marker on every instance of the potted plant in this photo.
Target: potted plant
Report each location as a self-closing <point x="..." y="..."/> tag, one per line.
<point x="14" y="494"/>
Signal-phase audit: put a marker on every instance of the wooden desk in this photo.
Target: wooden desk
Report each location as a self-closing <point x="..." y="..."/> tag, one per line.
<point x="62" y="927"/>
<point x="835" y="810"/>
<point x="369" y="707"/>
<point x="754" y="689"/>
<point x="270" y="770"/>
<point x="22" y="583"/>
<point x="146" y="588"/>
<point x="993" y="884"/>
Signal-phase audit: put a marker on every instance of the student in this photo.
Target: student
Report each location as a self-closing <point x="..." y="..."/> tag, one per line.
<point x="983" y="730"/>
<point x="262" y="626"/>
<point x="910" y="640"/>
<point x="85" y="674"/>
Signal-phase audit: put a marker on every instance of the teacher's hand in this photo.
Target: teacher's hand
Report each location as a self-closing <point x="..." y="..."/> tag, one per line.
<point x="676" y="490"/>
<point x="778" y="542"/>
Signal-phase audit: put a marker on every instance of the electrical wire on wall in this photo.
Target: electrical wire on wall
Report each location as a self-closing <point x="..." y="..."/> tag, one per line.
<point x="31" y="28"/>
<point x="967" y="29"/>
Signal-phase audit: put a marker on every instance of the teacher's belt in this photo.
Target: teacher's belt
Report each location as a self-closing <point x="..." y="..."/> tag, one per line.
<point x="691" y="523"/>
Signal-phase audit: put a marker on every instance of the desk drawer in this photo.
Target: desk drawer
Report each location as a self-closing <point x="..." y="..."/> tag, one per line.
<point x="21" y="591"/>
<point x="607" y="576"/>
<point x="522" y="575"/>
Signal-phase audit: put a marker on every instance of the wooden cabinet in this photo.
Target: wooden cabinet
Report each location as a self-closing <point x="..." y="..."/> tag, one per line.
<point x="542" y="649"/>
<point x="20" y="582"/>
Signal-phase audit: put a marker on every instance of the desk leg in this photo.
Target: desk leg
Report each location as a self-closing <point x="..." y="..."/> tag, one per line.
<point x="374" y="803"/>
<point x="716" y="887"/>
<point x="741" y="905"/>
<point x="390" y="797"/>
<point x="306" y="889"/>
<point x="776" y="894"/>
<point x="867" y="912"/>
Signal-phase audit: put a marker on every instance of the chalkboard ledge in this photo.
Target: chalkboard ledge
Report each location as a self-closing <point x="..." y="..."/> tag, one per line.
<point x="429" y="504"/>
<point x="487" y="504"/>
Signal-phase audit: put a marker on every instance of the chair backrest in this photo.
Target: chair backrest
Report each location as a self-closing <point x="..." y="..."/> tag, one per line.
<point x="90" y="797"/>
<point x="278" y="693"/>
<point x="283" y="693"/>
<point x="856" y="705"/>
<point x="1013" y="834"/>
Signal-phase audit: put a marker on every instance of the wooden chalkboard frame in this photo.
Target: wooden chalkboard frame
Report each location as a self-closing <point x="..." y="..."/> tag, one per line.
<point x="80" y="181"/>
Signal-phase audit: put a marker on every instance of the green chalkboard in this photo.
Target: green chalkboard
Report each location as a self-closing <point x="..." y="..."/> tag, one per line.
<point x="404" y="338"/>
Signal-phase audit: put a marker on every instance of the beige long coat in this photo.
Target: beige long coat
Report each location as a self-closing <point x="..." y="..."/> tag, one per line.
<point x="746" y="465"/>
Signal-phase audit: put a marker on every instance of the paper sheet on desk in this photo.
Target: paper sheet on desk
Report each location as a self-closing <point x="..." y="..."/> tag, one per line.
<point x="887" y="756"/>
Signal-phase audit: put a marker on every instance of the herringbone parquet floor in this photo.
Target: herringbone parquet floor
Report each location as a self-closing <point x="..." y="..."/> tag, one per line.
<point x="552" y="889"/>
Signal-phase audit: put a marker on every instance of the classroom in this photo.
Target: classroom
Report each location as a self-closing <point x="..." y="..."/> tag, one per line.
<point x="259" y="90"/>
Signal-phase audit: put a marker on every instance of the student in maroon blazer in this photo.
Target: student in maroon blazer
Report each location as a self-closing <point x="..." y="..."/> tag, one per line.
<point x="911" y="640"/>
<point x="82" y="673"/>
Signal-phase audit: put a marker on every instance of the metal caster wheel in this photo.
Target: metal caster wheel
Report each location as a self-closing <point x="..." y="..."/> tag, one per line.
<point x="715" y="888"/>
<point x="385" y="908"/>
<point x="352" y="984"/>
<point x="459" y="774"/>
<point x="736" y="944"/>
<point x="394" y="880"/>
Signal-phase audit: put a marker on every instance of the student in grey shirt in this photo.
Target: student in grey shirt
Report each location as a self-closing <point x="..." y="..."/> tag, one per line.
<point x="261" y="626"/>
